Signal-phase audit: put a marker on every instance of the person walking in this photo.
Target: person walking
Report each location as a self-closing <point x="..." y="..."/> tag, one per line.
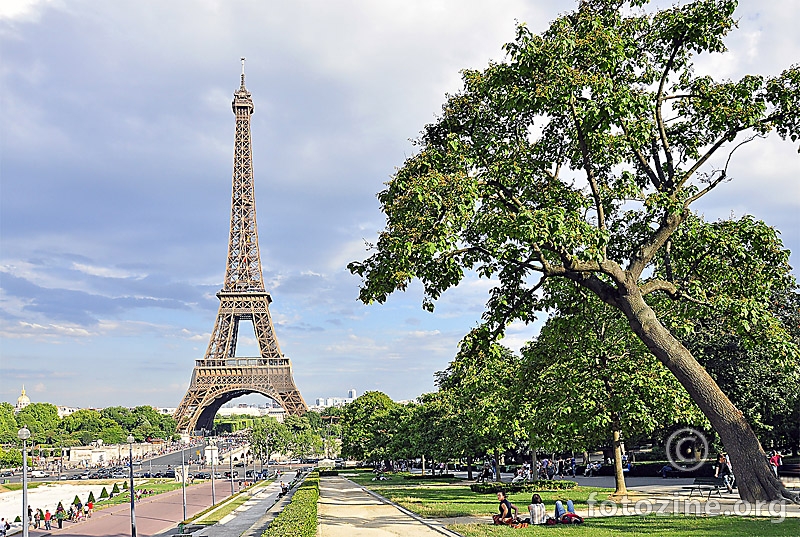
<point x="60" y="515"/>
<point x="47" y="516"/>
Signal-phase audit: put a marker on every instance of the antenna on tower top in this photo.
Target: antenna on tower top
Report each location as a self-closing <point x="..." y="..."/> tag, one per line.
<point x="242" y="71"/>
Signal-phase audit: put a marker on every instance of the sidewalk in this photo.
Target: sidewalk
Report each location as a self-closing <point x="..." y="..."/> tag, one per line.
<point x="345" y="509"/>
<point x="246" y="516"/>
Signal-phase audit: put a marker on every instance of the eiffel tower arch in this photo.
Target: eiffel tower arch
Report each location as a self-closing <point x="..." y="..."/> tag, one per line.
<point x="221" y="375"/>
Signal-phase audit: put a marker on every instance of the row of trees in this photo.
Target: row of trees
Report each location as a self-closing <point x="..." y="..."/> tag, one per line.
<point x="584" y="383"/>
<point x="112" y="425"/>
<point x="575" y="165"/>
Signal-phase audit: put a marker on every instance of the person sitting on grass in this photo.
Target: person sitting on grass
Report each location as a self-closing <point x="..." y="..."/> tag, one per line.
<point x="505" y="517"/>
<point x="537" y="510"/>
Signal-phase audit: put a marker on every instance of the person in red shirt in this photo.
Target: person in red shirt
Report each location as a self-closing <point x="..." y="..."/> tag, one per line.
<point x="47" y="516"/>
<point x="776" y="461"/>
<point x="90" y="507"/>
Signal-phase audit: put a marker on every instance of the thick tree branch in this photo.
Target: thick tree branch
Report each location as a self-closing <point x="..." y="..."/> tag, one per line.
<point x="647" y="251"/>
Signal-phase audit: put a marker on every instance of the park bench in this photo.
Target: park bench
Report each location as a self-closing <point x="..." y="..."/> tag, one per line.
<point x="711" y="484"/>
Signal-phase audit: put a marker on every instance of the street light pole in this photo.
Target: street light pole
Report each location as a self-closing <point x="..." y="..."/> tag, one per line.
<point x="130" y="488"/>
<point x="23" y="434"/>
<point x="230" y="462"/>
<point x="213" y="444"/>
<point x="183" y="482"/>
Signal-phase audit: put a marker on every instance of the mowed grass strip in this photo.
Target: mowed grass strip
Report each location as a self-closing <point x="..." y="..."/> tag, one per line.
<point x="449" y="499"/>
<point x="453" y="498"/>
<point x="652" y="525"/>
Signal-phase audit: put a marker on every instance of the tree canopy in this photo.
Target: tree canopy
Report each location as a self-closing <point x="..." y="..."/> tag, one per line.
<point x="579" y="157"/>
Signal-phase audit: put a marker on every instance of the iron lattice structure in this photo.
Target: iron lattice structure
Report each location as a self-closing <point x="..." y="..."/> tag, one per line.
<point x="221" y="376"/>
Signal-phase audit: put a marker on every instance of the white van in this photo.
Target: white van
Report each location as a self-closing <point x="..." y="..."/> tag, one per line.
<point x="39" y="473"/>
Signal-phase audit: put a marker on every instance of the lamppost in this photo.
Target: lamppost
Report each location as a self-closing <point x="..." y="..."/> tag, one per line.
<point x="183" y="480"/>
<point x="23" y="434"/>
<point x="130" y="489"/>
<point x="230" y="463"/>
<point x="213" y="452"/>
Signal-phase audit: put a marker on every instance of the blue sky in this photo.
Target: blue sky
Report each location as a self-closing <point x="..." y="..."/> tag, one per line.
<point x="116" y="152"/>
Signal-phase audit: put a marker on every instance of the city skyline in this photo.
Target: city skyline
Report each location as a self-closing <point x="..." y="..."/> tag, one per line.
<point x="117" y="146"/>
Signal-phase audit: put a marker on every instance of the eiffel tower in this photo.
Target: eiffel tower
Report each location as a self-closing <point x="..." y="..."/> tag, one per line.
<point x="221" y="376"/>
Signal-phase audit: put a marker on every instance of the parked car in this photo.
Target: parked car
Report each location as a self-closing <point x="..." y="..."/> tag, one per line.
<point x="39" y="473"/>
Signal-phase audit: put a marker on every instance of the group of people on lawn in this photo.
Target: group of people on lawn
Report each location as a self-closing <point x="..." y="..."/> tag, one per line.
<point x="509" y="514"/>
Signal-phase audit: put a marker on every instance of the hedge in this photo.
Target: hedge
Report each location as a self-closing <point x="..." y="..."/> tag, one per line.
<point x="429" y="476"/>
<point x="328" y="473"/>
<point x="488" y="488"/>
<point x="299" y="517"/>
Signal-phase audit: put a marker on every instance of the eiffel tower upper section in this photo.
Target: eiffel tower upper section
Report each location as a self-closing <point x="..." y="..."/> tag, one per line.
<point x="243" y="270"/>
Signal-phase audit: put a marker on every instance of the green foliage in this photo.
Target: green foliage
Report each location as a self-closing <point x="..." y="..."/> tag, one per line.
<point x="534" y="486"/>
<point x="299" y="518"/>
<point x="124" y="485"/>
<point x="91" y="497"/>
<point x="103" y="494"/>
<point x="586" y="374"/>
<point x="76" y="500"/>
<point x="8" y="424"/>
<point x="368" y="426"/>
<point x="115" y="490"/>
<point x="480" y="385"/>
<point x="268" y="436"/>
<point x="41" y="419"/>
<point x="10" y="458"/>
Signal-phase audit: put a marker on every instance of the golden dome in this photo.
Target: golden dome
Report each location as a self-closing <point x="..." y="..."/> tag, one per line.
<point x="23" y="400"/>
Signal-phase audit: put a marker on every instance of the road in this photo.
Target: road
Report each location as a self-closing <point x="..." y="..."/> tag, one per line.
<point x="154" y="515"/>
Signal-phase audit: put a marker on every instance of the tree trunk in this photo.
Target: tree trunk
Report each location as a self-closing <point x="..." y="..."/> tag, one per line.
<point x="469" y="468"/>
<point x="619" y="475"/>
<point x="754" y="478"/>
<point x="423" y="465"/>
<point x="497" y="468"/>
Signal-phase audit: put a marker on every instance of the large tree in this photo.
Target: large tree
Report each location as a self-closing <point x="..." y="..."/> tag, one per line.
<point x="580" y="157"/>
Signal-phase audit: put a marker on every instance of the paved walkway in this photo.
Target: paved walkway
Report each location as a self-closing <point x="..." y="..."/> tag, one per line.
<point x="250" y="515"/>
<point x="154" y="514"/>
<point x="345" y="509"/>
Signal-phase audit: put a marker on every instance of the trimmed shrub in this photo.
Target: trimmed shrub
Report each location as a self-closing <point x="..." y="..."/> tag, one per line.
<point x="76" y="501"/>
<point x="429" y="476"/>
<point x="91" y="497"/>
<point x="299" y="518"/>
<point x="103" y="494"/>
<point x="124" y="485"/>
<point x="328" y="473"/>
<point x="115" y="490"/>
<point x="493" y="488"/>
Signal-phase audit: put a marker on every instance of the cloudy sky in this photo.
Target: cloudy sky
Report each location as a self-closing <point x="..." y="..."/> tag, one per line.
<point x="116" y="147"/>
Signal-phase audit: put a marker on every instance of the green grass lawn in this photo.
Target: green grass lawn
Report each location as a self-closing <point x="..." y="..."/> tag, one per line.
<point x="453" y="498"/>
<point x="447" y="498"/>
<point x="652" y="525"/>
